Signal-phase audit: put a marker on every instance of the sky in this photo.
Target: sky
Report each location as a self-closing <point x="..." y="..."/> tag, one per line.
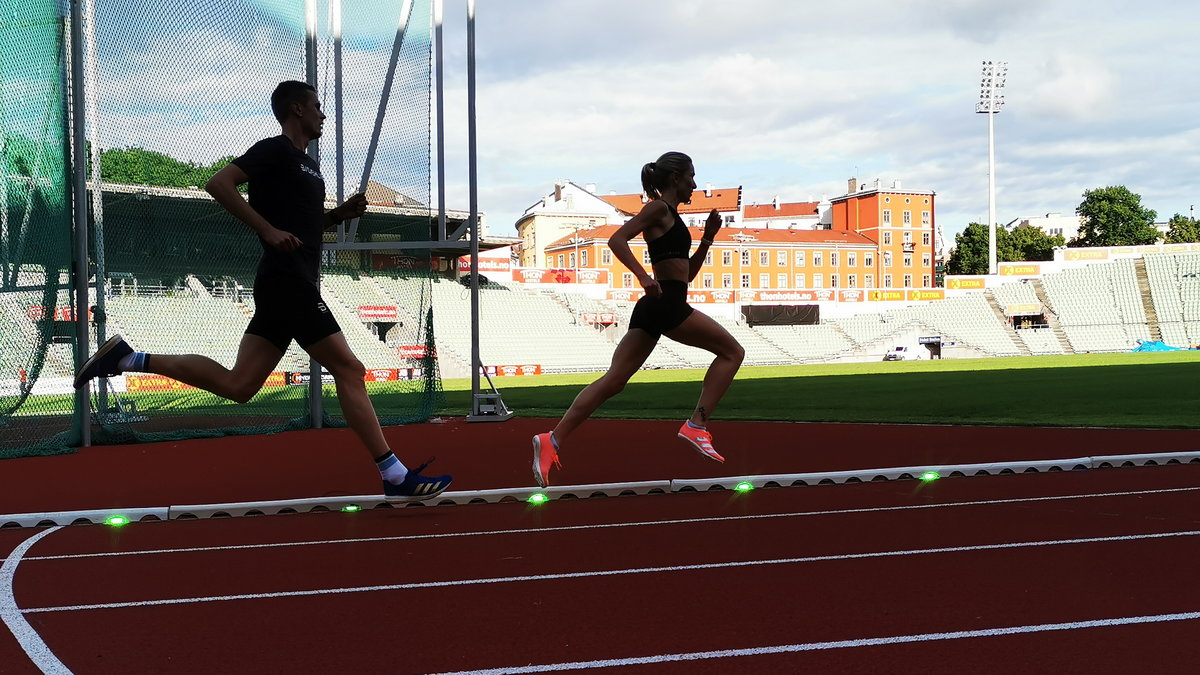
<point x="786" y="99"/>
<point x="791" y="99"/>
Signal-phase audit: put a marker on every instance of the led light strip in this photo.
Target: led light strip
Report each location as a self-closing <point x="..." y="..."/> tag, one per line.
<point x="535" y="496"/>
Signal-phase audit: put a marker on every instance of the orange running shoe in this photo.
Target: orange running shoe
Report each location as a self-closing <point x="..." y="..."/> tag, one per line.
<point x="701" y="439"/>
<point x="544" y="455"/>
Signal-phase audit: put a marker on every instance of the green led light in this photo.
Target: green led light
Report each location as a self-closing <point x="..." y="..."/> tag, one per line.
<point x="744" y="486"/>
<point x="351" y="508"/>
<point x="538" y="498"/>
<point x="116" y="521"/>
<point x="930" y="475"/>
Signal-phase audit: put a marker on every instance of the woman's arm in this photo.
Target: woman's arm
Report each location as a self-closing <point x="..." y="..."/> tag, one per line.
<point x="654" y="212"/>
<point x="712" y="225"/>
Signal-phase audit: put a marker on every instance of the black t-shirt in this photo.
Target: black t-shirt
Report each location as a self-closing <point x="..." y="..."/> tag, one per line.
<point x="286" y="188"/>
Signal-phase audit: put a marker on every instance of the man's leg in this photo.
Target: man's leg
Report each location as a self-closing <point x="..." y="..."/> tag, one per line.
<point x="256" y="358"/>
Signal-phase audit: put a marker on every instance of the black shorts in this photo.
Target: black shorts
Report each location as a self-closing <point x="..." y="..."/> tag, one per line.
<point x="659" y="315"/>
<point x="290" y="309"/>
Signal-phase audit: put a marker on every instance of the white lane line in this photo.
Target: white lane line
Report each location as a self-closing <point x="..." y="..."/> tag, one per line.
<point x="35" y="648"/>
<point x="610" y="573"/>
<point x="837" y="644"/>
<point x="602" y="526"/>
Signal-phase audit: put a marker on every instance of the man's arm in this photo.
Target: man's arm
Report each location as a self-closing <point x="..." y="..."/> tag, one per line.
<point x="352" y="208"/>
<point x="223" y="187"/>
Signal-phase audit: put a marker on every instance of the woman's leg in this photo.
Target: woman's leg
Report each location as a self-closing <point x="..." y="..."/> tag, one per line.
<point x="699" y="330"/>
<point x="631" y="353"/>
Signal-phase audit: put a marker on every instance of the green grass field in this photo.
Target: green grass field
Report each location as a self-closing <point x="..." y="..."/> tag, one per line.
<point x="1118" y="390"/>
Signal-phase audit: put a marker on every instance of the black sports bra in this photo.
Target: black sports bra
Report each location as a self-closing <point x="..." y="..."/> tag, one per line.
<point x="675" y="243"/>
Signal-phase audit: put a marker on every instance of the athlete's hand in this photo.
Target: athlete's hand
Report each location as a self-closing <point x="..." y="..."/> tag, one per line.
<point x="352" y="208"/>
<point x="650" y="285"/>
<point x="712" y="225"/>
<point x="284" y="241"/>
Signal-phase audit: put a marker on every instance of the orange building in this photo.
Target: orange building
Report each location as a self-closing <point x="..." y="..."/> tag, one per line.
<point x="900" y="222"/>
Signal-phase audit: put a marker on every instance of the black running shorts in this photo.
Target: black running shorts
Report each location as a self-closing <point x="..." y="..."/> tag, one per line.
<point x="287" y="309"/>
<point x="662" y="314"/>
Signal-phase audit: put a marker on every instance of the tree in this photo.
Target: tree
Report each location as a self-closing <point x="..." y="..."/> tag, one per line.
<point x="138" y="166"/>
<point x="1027" y="242"/>
<point x="1114" y="216"/>
<point x="1182" y="230"/>
<point x="970" y="255"/>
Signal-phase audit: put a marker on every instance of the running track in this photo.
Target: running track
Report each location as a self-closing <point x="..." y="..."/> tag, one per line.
<point x="1084" y="572"/>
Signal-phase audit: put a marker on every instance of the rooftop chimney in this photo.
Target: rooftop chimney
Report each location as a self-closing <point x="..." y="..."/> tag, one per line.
<point x="775" y="202"/>
<point x="708" y="190"/>
<point x="896" y="184"/>
<point x="852" y="186"/>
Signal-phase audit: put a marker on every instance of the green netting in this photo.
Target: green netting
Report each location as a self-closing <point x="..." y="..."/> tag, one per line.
<point x="35" y="230"/>
<point x="175" y="89"/>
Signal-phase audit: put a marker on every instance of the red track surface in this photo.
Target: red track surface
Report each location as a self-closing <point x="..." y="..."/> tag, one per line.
<point x="877" y="576"/>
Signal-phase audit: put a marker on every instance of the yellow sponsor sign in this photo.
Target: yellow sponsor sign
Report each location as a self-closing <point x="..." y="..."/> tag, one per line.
<point x="885" y="296"/>
<point x="927" y="294"/>
<point x="1023" y="310"/>
<point x="1020" y="270"/>
<point x="1086" y="254"/>
<point x="958" y="283"/>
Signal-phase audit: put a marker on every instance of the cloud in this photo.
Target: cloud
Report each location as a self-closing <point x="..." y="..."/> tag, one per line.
<point x="1072" y="87"/>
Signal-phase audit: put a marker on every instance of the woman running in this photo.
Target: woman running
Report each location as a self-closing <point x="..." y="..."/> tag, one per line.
<point x="663" y="310"/>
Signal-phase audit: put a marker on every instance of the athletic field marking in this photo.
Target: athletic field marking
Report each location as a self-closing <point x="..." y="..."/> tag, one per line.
<point x="609" y="573"/>
<point x="837" y="644"/>
<point x="601" y="526"/>
<point x="35" y="648"/>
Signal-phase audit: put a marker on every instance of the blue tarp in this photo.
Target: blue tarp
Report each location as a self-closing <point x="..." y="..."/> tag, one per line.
<point x="1154" y="346"/>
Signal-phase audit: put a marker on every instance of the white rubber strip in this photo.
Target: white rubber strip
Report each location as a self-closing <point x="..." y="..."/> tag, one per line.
<point x="836" y="644"/>
<point x="12" y="616"/>
<point x="594" y="490"/>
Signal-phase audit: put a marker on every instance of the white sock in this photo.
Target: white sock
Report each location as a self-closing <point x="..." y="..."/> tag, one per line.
<point x="392" y="470"/>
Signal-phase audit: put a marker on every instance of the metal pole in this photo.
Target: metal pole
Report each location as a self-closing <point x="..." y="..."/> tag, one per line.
<point x="338" y="126"/>
<point x="991" y="115"/>
<point x="91" y="94"/>
<point x="440" y="120"/>
<point x="82" y="423"/>
<point x="472" y="180"/>
<point x="315" y="409"/>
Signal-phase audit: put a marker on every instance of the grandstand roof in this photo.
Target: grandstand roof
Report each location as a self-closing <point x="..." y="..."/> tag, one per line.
<point x="721" y="199"/>
<point x="781" y="210"/>
<point x="761" y="236"/>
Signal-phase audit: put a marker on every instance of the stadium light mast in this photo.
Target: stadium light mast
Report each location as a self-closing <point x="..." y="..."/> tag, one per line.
<point x="991" y="99"/>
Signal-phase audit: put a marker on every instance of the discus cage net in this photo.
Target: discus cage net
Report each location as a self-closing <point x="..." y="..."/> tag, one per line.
<point x="163" y="94"/>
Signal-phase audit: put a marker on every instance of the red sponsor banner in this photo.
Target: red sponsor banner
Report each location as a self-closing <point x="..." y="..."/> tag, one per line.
<point x="381" y="375"/>
<point x="923" y="294"/>
<point x="626" y="294"/>
<point x="966" y="283"/>
<point x="512" y="371"/>
<point x="1085" y="254"/>
<point x="722" y="297"/>
<point x="392" y="261"/>
<point x="378" y="313"/>
<point x="851" y="295"/>
<point x="1021" y="269"/>
<point x="600" y="318"/>
<point x="788" y="296"/>
<point x="534" y="275"/>
<point x="413" y="351"/>
<point x="485" y="264"/>
<point x="38" y="312"/>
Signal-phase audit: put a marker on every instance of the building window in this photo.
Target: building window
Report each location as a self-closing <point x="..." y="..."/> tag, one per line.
<point x="561" y="262"/>
<point x="726" y="281"/>
<point x="764" y="281"/>
<point x="908" y="236"/>
<point x="727" y="258"/>
<point x="924" y="260"/>
<point x="925" y="217"/>
<point x="708" y="258"/>
<point x="799" y="258"/>
<point x="925" y="281"/>
<point x="908" y="260"/>
<point x="764" y="258"/>
<point x="729" y="220"/>
<point x="627" y="280"/>
<point x="781" y="281"/>
<point x="646" y="256"/>
<point x="708" y="280"/>
<point x="583" y="258"/>
<point x="887" y="217"/>
<point x="833" y="281"/>
<point x="606" y="257"/>
<point x="868" y="260"/>
<point x="908" y="281"/>
<point x="851" y="259"/>
<point x="745" y="257"/>
<point x="924" y="238"/>
<point x="571" y="260"/>
<point x="907" y="218"/>
<point x="887" y="259"/>
<point x="817" y="259"/>
<point x="781" y="258"/>
<point x="833" y="259"/>
<point x="887" y="238"/>
<point x="818" y="281"/>
<point x="868" y="281"/>
<point x="852" y="281"/>
<point x="799" y="281"/>
<point x="887" y="281"/>
<point x="745" y="281"/>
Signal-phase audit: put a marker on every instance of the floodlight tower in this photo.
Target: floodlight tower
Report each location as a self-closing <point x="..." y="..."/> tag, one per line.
<point x="991" y="99"/>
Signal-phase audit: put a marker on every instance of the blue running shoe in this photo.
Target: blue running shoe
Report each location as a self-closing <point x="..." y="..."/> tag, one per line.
<point x="415" y="487"/>
<point x="104" y="362"/>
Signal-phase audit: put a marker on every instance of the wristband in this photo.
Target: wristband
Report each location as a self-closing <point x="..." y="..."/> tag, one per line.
<point x="706" y="241"/>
